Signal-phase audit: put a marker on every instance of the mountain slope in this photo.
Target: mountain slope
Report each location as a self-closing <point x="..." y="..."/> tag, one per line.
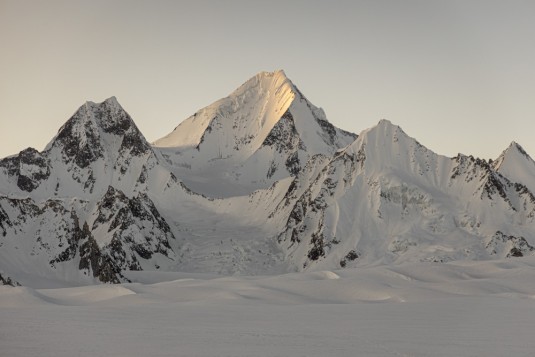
<point x="386" y="199"/>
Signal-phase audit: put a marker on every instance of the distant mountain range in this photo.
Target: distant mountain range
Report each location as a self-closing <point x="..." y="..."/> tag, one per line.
<point x="258" y="182"/>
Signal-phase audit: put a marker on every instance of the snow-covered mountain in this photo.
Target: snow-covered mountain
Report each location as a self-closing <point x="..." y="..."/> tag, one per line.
<point x="517" y="165"/>
<point x="256" y="183"/>
<point x="100" y="142"/>
<point x="387" y="199"/>
<point x="84" y="201"/>
<point x="264" y="131"/>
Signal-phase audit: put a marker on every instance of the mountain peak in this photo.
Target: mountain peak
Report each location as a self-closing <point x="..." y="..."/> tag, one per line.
<point x="514" y="152"/>
<point x="266" y="125"/>
<point x="385" y="123"/>
<point x="84" y="136"/>
<point x="90" y="108"/>
<point x="386" y="146"/>
<point x="383" y="128"/>
<point x="516" y="146"/>
<point x="250" y="111"/>
<point x="112" y="99"/>
<point x="276" y="73"/>
<point x="516" y="164"/>
<point x="264" y="82"/>
<point x="108" y="115"/>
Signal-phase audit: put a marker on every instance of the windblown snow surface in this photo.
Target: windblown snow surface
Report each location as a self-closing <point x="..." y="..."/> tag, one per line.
<point x="424" y="309"/>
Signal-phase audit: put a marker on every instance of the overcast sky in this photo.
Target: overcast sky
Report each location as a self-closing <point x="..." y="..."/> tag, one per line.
<point x="459" y="76"/>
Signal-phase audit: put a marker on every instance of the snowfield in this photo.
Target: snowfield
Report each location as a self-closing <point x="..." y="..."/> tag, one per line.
<point x="421" y="309"/>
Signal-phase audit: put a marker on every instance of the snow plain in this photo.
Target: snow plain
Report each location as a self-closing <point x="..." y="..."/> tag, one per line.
<point x="421" y="309"/>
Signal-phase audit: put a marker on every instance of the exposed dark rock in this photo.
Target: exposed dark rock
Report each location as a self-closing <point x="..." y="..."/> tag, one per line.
<point x="495" y="185"/>
<point x="79" y="140"/>
<point x="92" y="259"/>
<point x="350" y="256"/>
<point x="29" y="167"/>
<point x="207" y="131"/>
<point x="135" y="143"/>
<point x="5" y="222"/>
<point x="508" y="246"/>
<point x="143" y="175"/>
<point x="469" y="167"/>
<point x="136" y="226"/>
<point x="72" y="242"/>
<point x="6" y="280"/>
<point x="293" y="164"/>
<point x="284" y="136"/>
<point x="317" y="251"/>
<point x="272" y="169"/>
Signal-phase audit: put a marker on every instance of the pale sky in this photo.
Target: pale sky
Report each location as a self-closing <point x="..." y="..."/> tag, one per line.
<point x="459" y="76"/>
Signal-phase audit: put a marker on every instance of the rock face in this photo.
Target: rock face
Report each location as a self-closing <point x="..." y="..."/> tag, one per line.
<point x="87" y="135"/>
<point x="28" y="169"/>
<point x="6" y="280"/>
<point x="137" y="230"/>
<point x="508" y="246"/>
<point x="256" y="183"/>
